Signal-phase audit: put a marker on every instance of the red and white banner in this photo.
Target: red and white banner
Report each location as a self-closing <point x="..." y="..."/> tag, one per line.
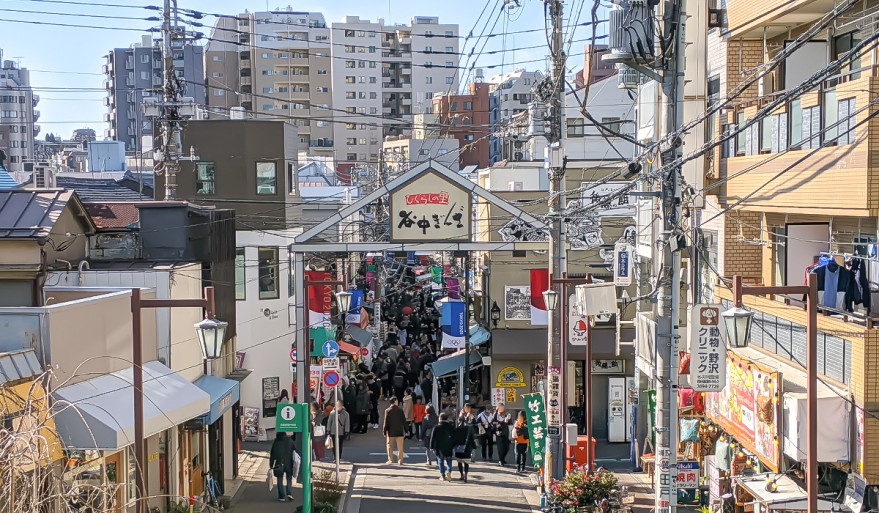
<point x="320" y="298"/>
<point x="539" y="283"/>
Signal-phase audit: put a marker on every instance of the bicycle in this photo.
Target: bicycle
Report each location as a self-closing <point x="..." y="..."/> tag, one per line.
<point x="212" y="493"/>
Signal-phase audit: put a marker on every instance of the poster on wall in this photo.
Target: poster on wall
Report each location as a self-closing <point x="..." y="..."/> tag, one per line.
<point x="271" y="390"/>
<point x="249" y="423"/>
<point x="747" y="408"/>
<point x="578" y="325"/>
<point x="517" y="303"/>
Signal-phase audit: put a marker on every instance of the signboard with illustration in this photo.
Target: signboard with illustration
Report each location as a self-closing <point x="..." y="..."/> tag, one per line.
<point x="707" y="350"/>
<point x="510" y="377"/>
<point x="430" y="208"/>
<point x="577" y="324"/>
<point x="747" y="407"/>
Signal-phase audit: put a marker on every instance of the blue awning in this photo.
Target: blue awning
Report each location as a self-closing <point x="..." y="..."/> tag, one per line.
<point x="449" y="364"/>
<point x="224" y="393"/>
<point x="478" y="335"/>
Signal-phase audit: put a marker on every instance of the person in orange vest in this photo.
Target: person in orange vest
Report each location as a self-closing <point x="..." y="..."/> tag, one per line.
<point x="521" y="442"/>
<point x="418" y="412"/>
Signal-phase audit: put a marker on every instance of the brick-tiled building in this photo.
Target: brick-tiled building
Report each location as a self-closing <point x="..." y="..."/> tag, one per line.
<point x="466" y="117"/>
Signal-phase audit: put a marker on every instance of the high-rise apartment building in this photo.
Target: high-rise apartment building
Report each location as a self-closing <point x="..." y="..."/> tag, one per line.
<point x="383" y="75"/>
<point x="18" y="114"/>
<point x="136" y="73"/>
<point x="513" y="93"/>
<point x="274" y="65"/>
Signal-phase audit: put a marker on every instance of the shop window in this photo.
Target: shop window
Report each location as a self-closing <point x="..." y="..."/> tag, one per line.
<point x="205" y="184"/>
<point x="240" y="283"/>
<point x="268" y="273"/>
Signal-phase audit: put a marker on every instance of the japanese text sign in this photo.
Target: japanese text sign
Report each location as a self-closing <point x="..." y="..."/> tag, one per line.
<point x="554" y="398"/>
<point x="707" y="349"/>
<point x="536" y="422"/>
<point x="608" y="199"/>
<point x="688" y="474"/>
<point x="430" y="208"/>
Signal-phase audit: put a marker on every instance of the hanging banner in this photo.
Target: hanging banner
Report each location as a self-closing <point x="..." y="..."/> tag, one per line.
<point x="622" y="264"/>
<point x="536" y="422"/>
<point x="353" y="315"/>
<point x="554" y="398"/>
<point x="454" y="323"/>
<point x="454" y="288"/>
<point x="320" y="298"/>
<point x="577" y="324"/>
<point x="707" y="351"/>
<point x="436" y="274"/>
<point x="539" y="283"/>
<point x="747" y="409"/>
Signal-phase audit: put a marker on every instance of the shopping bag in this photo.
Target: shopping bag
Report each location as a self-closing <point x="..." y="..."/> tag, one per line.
<point x="329" y="443"/>
<point x="297" y="462"/>
<point x="270" y="479"/>
<point x="320" y="430"/>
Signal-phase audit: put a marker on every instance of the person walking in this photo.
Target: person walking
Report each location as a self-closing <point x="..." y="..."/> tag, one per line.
<point x="394" y="429"/>
<point x="486" y="433"/>
<point x="409" y="411"/>
<point x="281" y="463"/>
<point x="501" y="421"/>
<point x="339" y="422"/>
<point x="363" y="405"/>
<point x="375" y="390"/>
<point x="442" y="443"/>
<point x="466" y="417"/>
<point x="318" y="431"/>
<point x="427" y="424"/>
<point x="521" y="442"/>
<point x="465" y="442"/>
<point x="418" y="412"/>
<point x="400" y="382"/>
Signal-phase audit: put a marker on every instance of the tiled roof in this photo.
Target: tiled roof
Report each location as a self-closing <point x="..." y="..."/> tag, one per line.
<point x="91" y="190"/>
<point x="113" y="215"/>
<point x="29" y="214"/>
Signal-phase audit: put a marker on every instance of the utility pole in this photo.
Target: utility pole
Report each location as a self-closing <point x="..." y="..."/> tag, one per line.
<point x="668" y="314"/>
<point x="554" y="163"/>
<point x="172" y="109"/>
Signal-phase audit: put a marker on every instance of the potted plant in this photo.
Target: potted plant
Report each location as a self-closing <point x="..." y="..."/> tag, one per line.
<point x="578" y="492"/>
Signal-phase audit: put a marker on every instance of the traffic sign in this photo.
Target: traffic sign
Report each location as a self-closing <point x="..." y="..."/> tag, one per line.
<point x="293" y="355"/>
<point x="291" y="418"/>
<point x="330" y="363"/>
<point x="331" y="379"/>
<point x="330" y="349"/>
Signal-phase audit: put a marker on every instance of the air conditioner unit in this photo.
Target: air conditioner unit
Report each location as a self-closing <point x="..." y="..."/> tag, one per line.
<point x="515" y="186"/>
<point x="518" y="156"/>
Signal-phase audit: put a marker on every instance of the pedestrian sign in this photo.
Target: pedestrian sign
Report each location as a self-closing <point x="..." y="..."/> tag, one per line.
<point x="330" y="349"/>
<point x="291" y="418"/>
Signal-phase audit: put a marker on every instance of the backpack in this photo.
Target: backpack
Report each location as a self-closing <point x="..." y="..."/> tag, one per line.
<point x="399" y="380"/>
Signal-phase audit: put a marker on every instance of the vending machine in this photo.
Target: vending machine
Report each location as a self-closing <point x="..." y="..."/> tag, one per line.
<point x="619" y="408"/>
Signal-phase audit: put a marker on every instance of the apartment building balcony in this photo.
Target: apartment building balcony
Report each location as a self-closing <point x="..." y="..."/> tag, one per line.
<point x="246" y="81"/>
<point x="292" y="61"/>
<point x="36" y="115"/>
<point x="37" y="129"/>
<point x="392" y="85"/>
<point x="295" y="95"/>
<point x="748" y="18"/>
<point x="406" y="70"/>
<point x="109" y="84"/>
<point x="813" y="155"/>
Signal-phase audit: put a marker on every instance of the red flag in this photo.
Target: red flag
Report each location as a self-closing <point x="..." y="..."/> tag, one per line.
<point x="539" y="283"/>
<point x="320" y="297"/>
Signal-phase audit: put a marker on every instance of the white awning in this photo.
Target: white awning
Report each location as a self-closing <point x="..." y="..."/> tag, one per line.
<point x="99" y="413"/>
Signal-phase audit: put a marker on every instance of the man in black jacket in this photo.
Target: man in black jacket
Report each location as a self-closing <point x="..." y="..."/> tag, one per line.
<point x="281" y="462"/>
<point x="394" y="429"/>
<point x="441" y="441"/>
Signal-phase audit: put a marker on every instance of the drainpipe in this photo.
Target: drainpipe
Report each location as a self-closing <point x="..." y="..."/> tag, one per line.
<point x="84" y="265"/>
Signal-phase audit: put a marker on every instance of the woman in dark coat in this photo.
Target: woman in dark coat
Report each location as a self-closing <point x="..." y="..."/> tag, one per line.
<point x="465" y="441"/>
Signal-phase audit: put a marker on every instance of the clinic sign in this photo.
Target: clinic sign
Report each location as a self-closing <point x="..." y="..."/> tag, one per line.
<point x="430" y="208"/>
<point x="707" y="349"/>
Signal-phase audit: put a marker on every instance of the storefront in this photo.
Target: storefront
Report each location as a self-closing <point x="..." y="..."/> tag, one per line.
<point x="101" y="427"/>
<point x="221" y="447"/>
<point x="518" y="365"/>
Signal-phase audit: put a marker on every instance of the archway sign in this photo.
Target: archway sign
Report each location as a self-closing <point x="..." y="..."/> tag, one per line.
<point x="431" y="210"/>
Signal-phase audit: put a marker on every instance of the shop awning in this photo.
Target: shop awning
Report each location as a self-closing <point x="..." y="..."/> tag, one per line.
<point x="359" y="335"/>
<point x="98" y="413"/>
<point x="349" y="348"/>
<point x="224" y="393"/>
<point x="449" y="364"/>
<point x="787" y="497"/>
<point x="834" y="438"/>
<point x="478" y="335"/>
<point x="530" y="344"/>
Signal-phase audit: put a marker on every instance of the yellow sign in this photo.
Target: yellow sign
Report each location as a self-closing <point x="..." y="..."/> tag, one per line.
<point x="510" y="377"/>
<point x="511" y="395"/>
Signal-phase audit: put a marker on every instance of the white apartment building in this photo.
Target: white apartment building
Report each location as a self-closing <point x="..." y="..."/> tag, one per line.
<point x="512" y="93"/>
<point x="384" y="74"/>
<point x="283" y="72"/>
<point x="18" y="115"/>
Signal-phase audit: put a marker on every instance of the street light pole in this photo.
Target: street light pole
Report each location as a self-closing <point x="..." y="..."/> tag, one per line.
<point x="343" y="299"/>
<point x="211" y="332"/>
<point x="810" y="290"/>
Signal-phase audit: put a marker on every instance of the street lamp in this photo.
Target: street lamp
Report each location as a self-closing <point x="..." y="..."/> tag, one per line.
<point x="210" y="335"/>
<point x="551" y="299"/>
<point x="738" y="323"/>
<point x="495" y="314"/>
<point x="343" y="301"/>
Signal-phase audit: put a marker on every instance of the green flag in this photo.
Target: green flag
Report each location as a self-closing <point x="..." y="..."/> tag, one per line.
<point x="536" y="421"/>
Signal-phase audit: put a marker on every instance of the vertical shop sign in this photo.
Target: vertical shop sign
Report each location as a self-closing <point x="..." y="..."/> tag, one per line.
<point x="554" y="398"/>
<point x="707" y="351"/>
<point x="536" y="421"/>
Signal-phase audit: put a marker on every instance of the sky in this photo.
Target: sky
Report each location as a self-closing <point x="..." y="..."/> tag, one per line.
<point x="65" y="62"/>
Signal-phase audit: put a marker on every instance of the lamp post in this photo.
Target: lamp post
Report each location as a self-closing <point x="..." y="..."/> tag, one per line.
<point x="738" y="325"/>
<point x="495" y="314"/>
<point x="210" y="334"/>
<point x="343" y="302"/>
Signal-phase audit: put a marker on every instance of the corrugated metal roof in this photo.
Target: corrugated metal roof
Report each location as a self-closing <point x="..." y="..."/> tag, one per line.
<point x="29" y="214"/>
<point x="19" y="365"/>
<point x="93" y="190"/>
<point x="6" y="180"/>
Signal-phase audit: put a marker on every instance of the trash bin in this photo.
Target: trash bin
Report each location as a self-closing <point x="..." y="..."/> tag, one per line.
<point x="576" y="454"/>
